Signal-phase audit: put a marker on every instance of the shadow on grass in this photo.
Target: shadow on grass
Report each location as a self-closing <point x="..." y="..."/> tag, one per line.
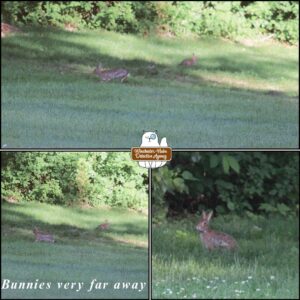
<point x="51" y="49"/>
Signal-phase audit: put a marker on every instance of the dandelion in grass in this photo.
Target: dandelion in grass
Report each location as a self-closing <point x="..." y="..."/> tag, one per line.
<point x="194" y="296"/>
<point x="223" y="280"/>
<point x="257" y="290"/>
<point x="249" y="277"/>
<point x="272" y="277"/>
<point x="208" y="287"/>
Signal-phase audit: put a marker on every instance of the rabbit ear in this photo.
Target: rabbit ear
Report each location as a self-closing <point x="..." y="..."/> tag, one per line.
<point x="209" y="216"/>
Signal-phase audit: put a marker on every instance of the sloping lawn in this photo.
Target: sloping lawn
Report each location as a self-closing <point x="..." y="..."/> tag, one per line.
<point x="80" y="254"/>
<point x="235" y="96"/>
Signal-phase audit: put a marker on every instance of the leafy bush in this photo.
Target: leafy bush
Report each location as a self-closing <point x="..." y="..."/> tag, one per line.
<point x="227" y="181"/>
<point x="278" y="17"/>
<point x="65" y="178"/>
<point x="230" y="19"/>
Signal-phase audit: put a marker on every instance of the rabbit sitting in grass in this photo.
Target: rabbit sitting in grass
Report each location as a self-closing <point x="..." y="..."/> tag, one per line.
<point x="42" y="237"/>
<point x="107" y="75"/>
<point x="104" y="226"/>
<point x="189" y="61"/>
<point x="213" y="239"/>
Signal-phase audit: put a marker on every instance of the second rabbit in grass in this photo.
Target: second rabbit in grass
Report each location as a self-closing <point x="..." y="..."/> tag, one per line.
<point x="110" y="74"/>
<point x="104" y="226"/>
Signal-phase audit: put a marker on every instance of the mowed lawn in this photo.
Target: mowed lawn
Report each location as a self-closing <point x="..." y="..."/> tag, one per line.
<point x="80" y="252"/>
<point x="235" y="96"/>
<point x="265" y="266"/>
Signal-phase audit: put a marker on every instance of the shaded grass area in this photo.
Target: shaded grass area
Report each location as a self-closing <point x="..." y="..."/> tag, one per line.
<point x="235" y="96"/>
<point x="81" y="253"/>
<point x="266" y="265"/>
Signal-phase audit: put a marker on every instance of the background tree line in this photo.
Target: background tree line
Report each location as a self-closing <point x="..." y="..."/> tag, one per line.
<point x="228" y="19"/>
<point x="89" y="178"/>
<point x="227" y="181"/>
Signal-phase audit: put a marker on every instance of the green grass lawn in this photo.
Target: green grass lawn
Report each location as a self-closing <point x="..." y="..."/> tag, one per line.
<point x="266" y="265"/>
<point x="236" y="96"/>
<point x="80" y="254"/>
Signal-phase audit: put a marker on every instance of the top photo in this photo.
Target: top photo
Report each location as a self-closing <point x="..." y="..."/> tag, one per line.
<point x="97" y="74"/>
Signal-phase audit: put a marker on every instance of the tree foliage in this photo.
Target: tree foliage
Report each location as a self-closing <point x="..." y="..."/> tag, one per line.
<point x="228" y="19"/>
<point x="227" y="181"/>
<point x="93" y="178"/>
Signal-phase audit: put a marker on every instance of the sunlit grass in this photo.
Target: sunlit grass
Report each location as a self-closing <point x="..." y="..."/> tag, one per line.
<point x="235" y="96"/>
<point x="266" y="265"/>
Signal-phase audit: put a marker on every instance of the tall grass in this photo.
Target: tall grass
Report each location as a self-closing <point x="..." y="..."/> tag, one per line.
<point x="266" y="264"/>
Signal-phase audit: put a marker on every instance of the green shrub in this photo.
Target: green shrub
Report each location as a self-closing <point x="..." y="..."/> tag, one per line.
<point x="63" y="178"/>
<point x="230" y="19"/>
<point x="254" y="181"/>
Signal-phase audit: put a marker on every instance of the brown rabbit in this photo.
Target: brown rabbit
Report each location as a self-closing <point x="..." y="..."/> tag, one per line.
<point x="213" y="239"/>
<point x="189" y="61"/>
<point x="104" y="226"/>
<point x="42" y="237"/>
<point x="107" y="75"/>
<point x="7" y="29"/>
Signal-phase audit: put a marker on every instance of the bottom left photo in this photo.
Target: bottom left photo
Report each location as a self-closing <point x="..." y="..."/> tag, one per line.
<point x="74" y="225"/>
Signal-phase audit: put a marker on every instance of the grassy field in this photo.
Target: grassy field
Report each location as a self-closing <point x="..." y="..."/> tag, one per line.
<point x="80" y="253"/>
<point x="266" y="265"/>
<point x="236" y="96"/>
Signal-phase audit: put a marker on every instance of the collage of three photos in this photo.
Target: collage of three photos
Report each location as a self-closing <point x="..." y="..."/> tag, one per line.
<point x="149" y="150"/>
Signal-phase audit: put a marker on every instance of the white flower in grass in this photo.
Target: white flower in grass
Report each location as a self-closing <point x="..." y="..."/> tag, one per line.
<point x="194" y="296"/>
<point x="236" y="282"/>
<point x="223" y="280"/>
<point x="257" y="290"/>
<point x="272" y="277"/>
<point x="268" y="284"/>
<point x="243" y="282"/>
<point x="217" y="278"/>
<point x="214" y="287"/>
<point x="208" y="287"/>
<point x="249" y="277"/>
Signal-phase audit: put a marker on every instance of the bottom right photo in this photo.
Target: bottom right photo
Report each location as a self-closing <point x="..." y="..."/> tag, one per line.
<point x="226" y="225"/>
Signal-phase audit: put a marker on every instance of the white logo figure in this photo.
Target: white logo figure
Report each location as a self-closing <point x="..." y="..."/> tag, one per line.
<point x="150" y="139"/>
